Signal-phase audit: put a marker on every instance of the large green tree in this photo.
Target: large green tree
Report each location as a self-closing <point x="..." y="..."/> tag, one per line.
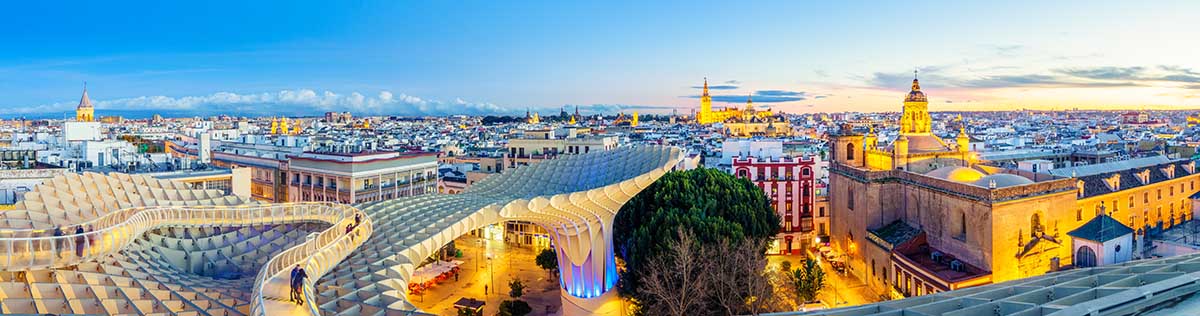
<point x="711" y="205"/>
<point x="548" y="261"/>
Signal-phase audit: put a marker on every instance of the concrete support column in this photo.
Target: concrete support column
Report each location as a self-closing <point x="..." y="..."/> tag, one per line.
<point x="587" y="269"/>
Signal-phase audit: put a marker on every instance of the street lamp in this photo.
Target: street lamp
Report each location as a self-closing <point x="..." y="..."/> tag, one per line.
<point x="491" y="275"/>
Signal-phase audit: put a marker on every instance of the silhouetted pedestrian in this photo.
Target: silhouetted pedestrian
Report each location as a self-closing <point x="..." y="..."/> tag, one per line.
<point x="292" y="284"/>
<point x="91" y="239"/>
<point x="58" y="241"/>
<point x="80" y="241"/>
<point x="298" y="284"/>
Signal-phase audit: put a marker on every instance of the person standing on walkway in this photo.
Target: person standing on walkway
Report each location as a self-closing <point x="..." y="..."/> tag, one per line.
<point x="91" y="239"/>
<point x="80" y="241"/>
<point x="58" y="241"/>
<point x="292" y="284"/>
<point x="298" y="285"/>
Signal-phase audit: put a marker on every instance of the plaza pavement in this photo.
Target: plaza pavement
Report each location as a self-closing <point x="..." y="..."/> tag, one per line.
<point x="508" y="261"/>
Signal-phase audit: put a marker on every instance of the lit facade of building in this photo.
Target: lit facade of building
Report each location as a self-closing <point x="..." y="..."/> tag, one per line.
<point x="707" y="115"/>
<point x="789" y="183"/>
<point x="742" y="122"/>
<point x="266" y="156"/>
<point x="920" y="216"/>
<point x="542" y="144"/>
<point x="360" y="177"/>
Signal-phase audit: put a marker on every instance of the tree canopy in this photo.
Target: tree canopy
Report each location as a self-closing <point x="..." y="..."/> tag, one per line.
<point x="712" y="205"/>
<point x="548" y="260"/>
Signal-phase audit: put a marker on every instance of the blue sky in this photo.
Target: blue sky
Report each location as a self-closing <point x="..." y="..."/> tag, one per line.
<point x="448" y="57"/>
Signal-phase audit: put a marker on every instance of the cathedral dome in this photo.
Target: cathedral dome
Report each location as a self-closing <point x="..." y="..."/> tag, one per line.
<point x="957" y="174"/>
<point x="916" y="95"/>
<point x="1003" y="180"/>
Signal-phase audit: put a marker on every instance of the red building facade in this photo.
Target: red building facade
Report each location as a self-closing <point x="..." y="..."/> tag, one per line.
<point x="790" y="184"/>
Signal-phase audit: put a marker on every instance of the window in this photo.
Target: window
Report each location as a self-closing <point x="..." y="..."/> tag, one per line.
<point x="1159" y="194"/>
<point x="962" y="226"/>
<point x="1035" y="224"/>
<point x="1085" y="257"/>
<point x="1079" y="214"/>
<point x="821" y="227"/>
<point x="1131" y="201"/>
<point x="850" y="151"/>
<point x="805" y="171"/>
<point x="1145" y="197"/>
<point x="821" y="210"/>
<point x="850" y="199"/>
<point x="743" y="174"/>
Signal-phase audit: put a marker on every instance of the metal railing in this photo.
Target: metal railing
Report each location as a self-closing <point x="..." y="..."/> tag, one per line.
<point x="32" y="249"/>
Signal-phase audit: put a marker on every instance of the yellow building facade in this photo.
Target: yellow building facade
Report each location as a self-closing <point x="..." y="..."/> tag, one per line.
<point x="919" y="215"/>
<point x="707" y="116"/>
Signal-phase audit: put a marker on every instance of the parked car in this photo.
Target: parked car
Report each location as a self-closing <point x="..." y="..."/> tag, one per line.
<point x="831" y="256"/>
<point x="838" y="265"/>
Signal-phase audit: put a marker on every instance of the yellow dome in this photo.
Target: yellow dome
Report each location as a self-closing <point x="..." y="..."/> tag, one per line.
<point x="916" y="95"/>
<point x="957" y="174"/>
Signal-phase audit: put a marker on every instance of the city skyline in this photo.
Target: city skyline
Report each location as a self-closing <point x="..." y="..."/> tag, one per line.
<point x="480" y="58"/>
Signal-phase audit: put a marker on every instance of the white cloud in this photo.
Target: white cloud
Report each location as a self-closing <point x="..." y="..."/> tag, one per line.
<point x="299" y="102"/>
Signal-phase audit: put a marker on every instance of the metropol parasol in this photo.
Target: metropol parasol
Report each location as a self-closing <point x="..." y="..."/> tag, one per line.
<point x="151" y="246"/>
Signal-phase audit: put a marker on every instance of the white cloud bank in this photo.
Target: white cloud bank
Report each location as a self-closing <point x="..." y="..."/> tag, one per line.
<point x="297" y="102"/>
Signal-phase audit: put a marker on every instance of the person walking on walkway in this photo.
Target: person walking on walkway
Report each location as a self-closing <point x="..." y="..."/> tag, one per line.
<point x="91" y="239"/>
<point x="298" y="284"/>
<point x="80" y="241"/>
<point x="58" y="241"/>
<point x="292" y="284"/>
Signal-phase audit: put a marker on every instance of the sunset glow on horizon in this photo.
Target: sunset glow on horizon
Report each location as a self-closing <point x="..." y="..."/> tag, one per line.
<point x="503" y="58"/>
